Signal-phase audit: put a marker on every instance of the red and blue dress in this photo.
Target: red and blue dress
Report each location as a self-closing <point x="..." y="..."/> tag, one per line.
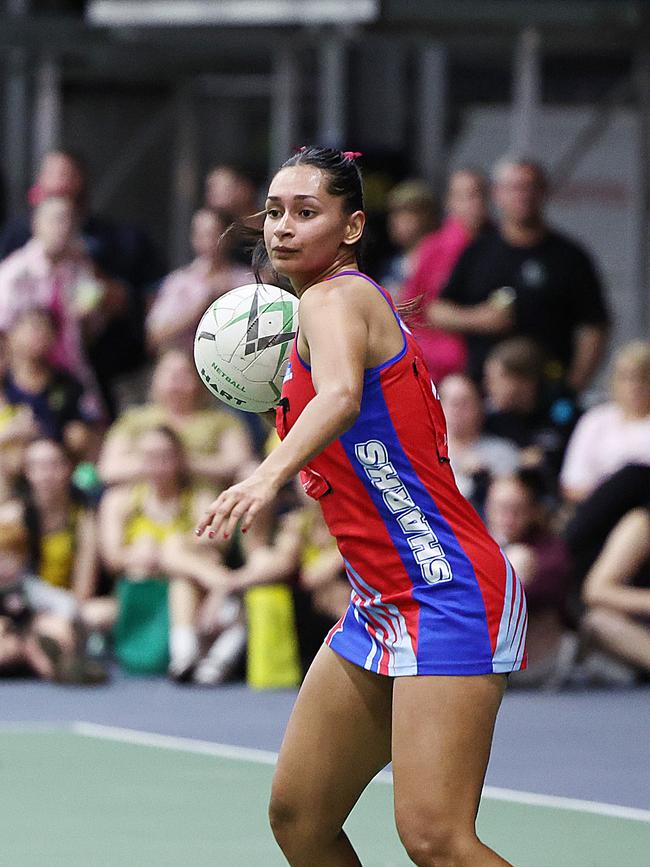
<point x="432" y="592"/>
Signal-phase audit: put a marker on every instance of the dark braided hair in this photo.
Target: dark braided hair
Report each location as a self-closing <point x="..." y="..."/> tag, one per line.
<point x="341" y="169"/>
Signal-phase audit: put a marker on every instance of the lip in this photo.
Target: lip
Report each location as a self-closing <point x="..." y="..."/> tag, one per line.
<point x="284" y="250"/>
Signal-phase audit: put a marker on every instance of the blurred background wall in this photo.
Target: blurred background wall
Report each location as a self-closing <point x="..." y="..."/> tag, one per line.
<point x="153" y="93"/>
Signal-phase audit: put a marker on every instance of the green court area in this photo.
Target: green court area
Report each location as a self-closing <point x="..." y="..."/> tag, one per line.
<point x="69" y="799"/>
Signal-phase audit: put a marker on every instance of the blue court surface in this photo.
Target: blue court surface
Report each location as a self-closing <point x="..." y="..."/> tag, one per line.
<point x="145" y="773"/>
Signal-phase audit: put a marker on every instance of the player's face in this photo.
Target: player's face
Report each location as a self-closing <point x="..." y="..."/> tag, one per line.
<point x="306" y="228"/>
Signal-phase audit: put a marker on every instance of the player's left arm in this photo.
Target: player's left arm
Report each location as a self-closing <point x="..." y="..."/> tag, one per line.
<point x="333" y="323"/>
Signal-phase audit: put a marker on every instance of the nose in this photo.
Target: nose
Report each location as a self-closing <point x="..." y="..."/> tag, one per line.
<point x="284" y="227"/>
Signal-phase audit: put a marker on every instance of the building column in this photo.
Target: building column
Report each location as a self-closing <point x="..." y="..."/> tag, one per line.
<point x="527" y="91"/>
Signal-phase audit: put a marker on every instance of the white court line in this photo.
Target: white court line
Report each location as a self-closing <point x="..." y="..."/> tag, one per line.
<point x="266" y="757"/>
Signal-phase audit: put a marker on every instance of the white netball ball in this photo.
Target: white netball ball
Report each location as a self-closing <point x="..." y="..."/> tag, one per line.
<point x="242" y="345"/>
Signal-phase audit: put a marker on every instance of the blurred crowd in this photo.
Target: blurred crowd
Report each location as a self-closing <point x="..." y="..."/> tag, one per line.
<point x="102" y="480"/>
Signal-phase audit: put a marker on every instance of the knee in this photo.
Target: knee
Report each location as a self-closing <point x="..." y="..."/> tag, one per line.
<point x="293" y="827"/>
<point x="283" y="817"/>
<point x="437" y="842"/>
<point x="300" y="831"/>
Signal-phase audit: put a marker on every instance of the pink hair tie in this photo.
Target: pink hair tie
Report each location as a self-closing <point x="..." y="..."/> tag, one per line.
<point x="352" y="155"/>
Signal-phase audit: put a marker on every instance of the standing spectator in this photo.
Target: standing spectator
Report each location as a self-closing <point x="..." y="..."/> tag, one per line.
<point x="53" y="271"/>
<point x="528" y="279"/>
<point x="517" y="520"/>
<point x="614" y="434"/>
<point x="476" y="457"/>
<point x="217" y="442"/>
<point x="185" y="293"/>
<point x="411" y="216"/>
<point x="59" y="405"/>
<point x="467" y="218"/>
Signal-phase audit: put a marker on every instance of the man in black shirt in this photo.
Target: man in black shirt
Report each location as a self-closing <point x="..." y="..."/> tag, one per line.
<point x="527" y="279"/>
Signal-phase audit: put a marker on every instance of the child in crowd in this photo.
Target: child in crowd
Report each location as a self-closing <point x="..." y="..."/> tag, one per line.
<point x="32" y="641"/>
<point x="154" y="612"/>
<point x="517" y="518"/>
<point x="61" y="408"/>
<point x="521" y="409"/>
<point x="62" y="528"/>
<point x="476" y="456"/>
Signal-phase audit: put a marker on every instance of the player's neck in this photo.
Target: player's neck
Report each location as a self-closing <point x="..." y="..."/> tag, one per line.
<point x="344" y="262"/>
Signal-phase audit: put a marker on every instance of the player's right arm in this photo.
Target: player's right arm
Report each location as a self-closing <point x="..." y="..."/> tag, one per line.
<point x="336" y="330"/>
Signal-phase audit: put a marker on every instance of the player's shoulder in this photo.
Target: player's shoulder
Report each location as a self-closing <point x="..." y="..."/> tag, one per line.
<point x="349" y="288"/>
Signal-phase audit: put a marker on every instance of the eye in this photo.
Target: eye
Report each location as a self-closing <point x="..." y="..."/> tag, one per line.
<point x="307" y="212"/>
<point x="273" y="213"/>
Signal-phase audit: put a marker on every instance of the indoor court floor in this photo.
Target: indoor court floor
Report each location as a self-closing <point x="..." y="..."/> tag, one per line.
<point x="142" y="773"/>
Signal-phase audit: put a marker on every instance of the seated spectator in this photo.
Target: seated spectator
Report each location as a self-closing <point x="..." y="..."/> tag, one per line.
<point x="435" y="257"/>
<point x="217" y="443"/>
<point x="476" y="457"/>
<point x="32" y="642"/>
<point x="185" y="294"/>
<point x="53" y="271"/>
<point x="411" y="216"/>
<point x="17" y="428"/>
<point x="526" y="279"/>
<point x="517" y="520"/>
<point x="60" y="406"/>
<point x="519" y="407"/>
<point x="616" y="591"/>
<point x="62" y="529"/>
<point x="613" y="434"/>
<point x="154" y="612"/>
<point x="299" y="552"/>
<point x="121" y="252"/>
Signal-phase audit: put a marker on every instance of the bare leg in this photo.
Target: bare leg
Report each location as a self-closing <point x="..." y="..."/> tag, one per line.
<point x="442" y="734"/>
<point x="99" y="613"/>
<point x="337" y="740"/>
<point x="626" y="549"/>
<point x="184" y="601"/>
<point x="620" y="635"/>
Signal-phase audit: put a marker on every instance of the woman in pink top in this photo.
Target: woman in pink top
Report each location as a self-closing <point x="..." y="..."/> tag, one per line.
<point x="438" y="253"/>
<point x="185" y="293"/>
<point x="613" y="434"/>
<point x="54" y="272"/>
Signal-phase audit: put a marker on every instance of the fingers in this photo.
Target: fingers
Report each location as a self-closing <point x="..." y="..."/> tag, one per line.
<point x="224" y="514"/>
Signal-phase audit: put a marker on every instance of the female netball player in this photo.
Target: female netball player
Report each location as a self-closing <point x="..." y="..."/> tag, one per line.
<point x="415" y="670"/>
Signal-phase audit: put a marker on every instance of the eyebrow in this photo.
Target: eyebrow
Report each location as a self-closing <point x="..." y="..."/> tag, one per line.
<point x="278" y="199"/>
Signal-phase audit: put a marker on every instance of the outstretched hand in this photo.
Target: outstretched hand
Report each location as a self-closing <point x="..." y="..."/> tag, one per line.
<point x="241" y="502"/>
